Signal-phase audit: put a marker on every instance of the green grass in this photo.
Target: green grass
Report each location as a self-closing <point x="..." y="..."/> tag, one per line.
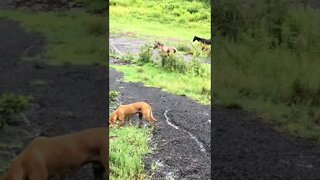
<point x="164" y="19"/>
<point x="279" y="81"/>
<point x="126" y="153"/>
<point x="197" y="88"/>
<point x="72" y="37"/>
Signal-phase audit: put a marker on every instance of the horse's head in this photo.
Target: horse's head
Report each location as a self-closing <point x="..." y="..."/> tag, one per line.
<point x="156" y="44"/>
<point x="195" y="38"/>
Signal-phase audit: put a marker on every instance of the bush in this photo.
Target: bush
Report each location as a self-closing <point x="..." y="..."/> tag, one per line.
<point x="184" y="48"/>
<point x="113" y="96"/>
<point x="145" y="54"/>
<point x="173" y="63"/>
<point x="11" y="106"/>
<point x="198" y="69"/>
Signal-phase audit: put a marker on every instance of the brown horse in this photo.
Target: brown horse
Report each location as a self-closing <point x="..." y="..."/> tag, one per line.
<point x="164" y="48"/>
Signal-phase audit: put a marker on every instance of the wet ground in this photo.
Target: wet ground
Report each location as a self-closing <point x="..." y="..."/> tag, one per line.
<point x="67" y="98"/>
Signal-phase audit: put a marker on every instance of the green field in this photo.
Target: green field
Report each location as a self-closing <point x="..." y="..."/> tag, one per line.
<point x="165" y="19"/>
<point x="268" y="62"/>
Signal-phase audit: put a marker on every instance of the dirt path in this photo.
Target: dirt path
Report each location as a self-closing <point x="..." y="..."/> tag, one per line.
<point x="66" y="98"/>
<point x="182" y="141"/>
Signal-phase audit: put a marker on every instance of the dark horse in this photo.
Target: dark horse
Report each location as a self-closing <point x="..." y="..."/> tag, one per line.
<point x="202" y="40"/>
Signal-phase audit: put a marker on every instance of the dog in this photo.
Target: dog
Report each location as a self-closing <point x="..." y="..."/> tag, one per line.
<point x="164" y="48"/>
<point x="125" y="112"/>
<point x="48" y="157"/>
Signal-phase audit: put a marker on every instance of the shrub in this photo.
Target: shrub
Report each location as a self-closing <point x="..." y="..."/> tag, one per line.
<point x="113" y="96"/>
<point x="173" y="63"/>
<point x="11" y="106"/>
<point x="198" y="69"/>
<point x="145" y="54"/>
<point x="184" y="48"/>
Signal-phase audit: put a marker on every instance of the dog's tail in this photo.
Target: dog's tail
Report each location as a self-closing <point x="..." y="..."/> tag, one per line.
<point x="151" y="115"/>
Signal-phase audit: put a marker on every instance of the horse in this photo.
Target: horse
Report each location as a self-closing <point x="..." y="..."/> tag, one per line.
<point x="202" y="40"/>
<point x="164" y="48"/>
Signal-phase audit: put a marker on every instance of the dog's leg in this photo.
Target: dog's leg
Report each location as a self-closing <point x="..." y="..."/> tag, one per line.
<point x="147" y="116"/>
<point x="122" y="120"/>
<point x="140" y="120"/>
<point x="129" y="119"/>
<point x="98" y="171"/>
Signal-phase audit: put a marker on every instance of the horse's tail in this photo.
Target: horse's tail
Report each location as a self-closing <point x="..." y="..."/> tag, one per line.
<point x="174" y="50"/>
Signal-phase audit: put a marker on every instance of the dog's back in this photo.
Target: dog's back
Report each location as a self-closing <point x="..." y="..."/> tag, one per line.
<point x="53" y="155"/>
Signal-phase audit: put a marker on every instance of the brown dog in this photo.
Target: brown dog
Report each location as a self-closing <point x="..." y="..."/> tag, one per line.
<point x="125" y="112"/>
<point x="46" y="158"/>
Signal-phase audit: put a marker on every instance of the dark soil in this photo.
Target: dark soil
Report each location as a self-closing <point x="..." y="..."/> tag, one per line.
<point x="66" y="98"/>
<point x="177" y="155"/>
<point x="246" y="148"/>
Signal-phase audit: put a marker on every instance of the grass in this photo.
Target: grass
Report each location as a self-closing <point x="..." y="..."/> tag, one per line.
<point x="127" y="151"/>
<point x="279" y="81"/>
<point x="173" y="21"/>
<point x="165" y="19"/>
<point x="197" y="88"/>
<point x="72" y="37"/>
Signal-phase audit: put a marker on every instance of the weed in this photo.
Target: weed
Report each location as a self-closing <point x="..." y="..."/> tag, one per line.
<point x="113" y="96"/>
<point x="11" y="105"/>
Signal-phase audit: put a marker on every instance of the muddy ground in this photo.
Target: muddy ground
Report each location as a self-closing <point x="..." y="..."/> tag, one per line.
<point x="67" y="98"/>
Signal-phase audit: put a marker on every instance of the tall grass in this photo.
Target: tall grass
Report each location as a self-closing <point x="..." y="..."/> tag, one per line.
<point x="271" y="65"/>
